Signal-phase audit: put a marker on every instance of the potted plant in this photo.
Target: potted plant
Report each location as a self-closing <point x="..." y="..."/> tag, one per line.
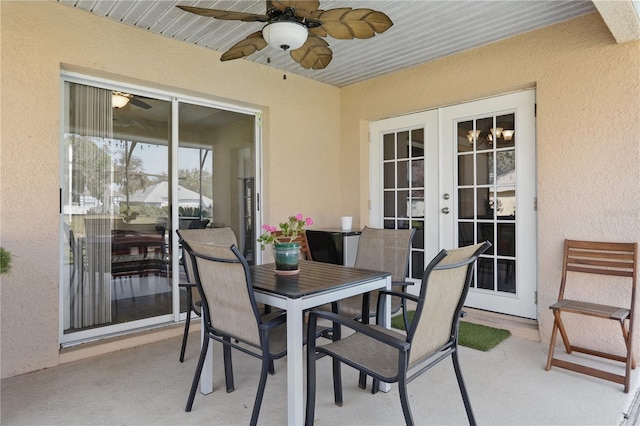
<point x="5" y="261"/>
<point x="286" y="251"/>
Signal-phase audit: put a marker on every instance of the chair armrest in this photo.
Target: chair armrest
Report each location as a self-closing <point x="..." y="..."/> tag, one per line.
<point x="401" y="283"/>
<point x="359" y="327"/>
<point x="273" y="319"/>
<point x="187" y="285"/>
<point x="400" y="294"/>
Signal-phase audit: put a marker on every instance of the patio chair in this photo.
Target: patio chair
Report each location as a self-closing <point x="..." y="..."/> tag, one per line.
<point x="222" y="236"/>
<point x="231" y="315"/>
<point x="616" y="267"/>
<point x="391" y="356"/>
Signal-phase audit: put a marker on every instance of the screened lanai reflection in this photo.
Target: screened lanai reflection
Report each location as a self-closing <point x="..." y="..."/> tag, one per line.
<point x="117" y="187"/>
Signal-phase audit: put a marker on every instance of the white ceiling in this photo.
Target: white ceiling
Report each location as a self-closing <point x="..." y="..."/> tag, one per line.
<point x="423" y="30"/>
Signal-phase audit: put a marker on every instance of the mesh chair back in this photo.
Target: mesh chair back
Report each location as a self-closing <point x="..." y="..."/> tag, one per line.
<point x="220" y="236"/>
<point x="444" y="288"/>
<point x="228" y="305"/>
<point x="385" y="250"/>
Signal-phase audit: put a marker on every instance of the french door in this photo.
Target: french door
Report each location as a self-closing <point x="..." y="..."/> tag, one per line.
<point x="479" y="171"/>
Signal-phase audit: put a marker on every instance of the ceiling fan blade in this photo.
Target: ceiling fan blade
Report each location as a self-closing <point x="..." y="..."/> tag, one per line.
<point x="314" y="53"/>
<point x="139" y="103"/>
<point x="303" y="8"/>
<point x="246" y="47"/>
<point x="225" y="14"/>
<point x="346" y="23"/>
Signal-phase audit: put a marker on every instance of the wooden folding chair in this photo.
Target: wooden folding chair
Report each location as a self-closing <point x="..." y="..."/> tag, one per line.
<point x="614" y="259"/>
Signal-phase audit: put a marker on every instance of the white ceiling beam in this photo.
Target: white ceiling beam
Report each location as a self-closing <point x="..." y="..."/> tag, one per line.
<point x="621" y="16"/>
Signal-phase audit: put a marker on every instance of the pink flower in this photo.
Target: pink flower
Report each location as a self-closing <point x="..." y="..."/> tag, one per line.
<point x="309" y="221"/>
<point x="299" y="216"/>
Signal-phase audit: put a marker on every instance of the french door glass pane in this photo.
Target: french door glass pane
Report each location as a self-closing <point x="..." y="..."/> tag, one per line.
<point x="403" y="186"/>
<point x="486" y="196"/>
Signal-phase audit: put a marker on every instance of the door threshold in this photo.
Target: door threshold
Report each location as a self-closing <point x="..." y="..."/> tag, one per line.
<point x="520" y="327"/>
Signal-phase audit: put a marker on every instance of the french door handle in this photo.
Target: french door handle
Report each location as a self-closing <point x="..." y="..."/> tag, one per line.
<point x="445" y="210"/>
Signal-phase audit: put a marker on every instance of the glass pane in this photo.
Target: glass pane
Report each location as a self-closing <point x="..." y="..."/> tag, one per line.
<point x="417" y="174"/>
<point x="465" y="234"/>
<point x="506" y="167"/>
<point x="389" y="142"/>
<point x="465" y="170"/>
<point x="389" y="204"/>
<point x="418" y="236"/>
<point x="403" y="224"/>
<point x="506" y="205"/>
<point x="403" y="144"/>
<point x="485" y="273"/>
<point x="506" y="239"/>
<point x="389" y="224"/>
<point x="485" y="233"/>
<point x="403" y="203"/>
<point x="508" y="136"/>
<point x="389" y="175"/>
<point x="466" y="136"/>
<point x="466" y="206"/>
<point x="417" y="143"/>
<point x="507" y="275"/>
<point x="403" y="174"/>
<point x="485" y="137"/>
<point x="484" y="168"/>
<point x="417" y="264"/>
<point x="485" y="204"/>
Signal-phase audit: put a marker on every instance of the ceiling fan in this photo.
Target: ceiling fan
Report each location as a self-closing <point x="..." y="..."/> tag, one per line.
<point x="120" y="99"/>
<point x="297" y="26"/>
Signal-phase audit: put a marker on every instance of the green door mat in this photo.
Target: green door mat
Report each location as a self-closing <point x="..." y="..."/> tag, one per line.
<point x="474" y="336"/>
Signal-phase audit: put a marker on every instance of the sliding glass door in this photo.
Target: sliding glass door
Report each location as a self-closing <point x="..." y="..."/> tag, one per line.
<point x="125" y="186"/>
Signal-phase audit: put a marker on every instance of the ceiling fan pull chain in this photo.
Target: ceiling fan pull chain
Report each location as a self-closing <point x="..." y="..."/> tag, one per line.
<point x="284" y="64"/>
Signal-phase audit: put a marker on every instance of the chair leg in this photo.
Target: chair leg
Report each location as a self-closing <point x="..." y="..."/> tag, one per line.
<point x="263" y="381"/>
<point x="552" y="345"/>
<point x="404" y="400"/>
<point x="337" y="383"/>
<point x="228" y="366"/>
<point x="463" y="389"/>
<point x="185" y="335"/>
<point x="196" y="377"/>
<point x="311" y="384"/>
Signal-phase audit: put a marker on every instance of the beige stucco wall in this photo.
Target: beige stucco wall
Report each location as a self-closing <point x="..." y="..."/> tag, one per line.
<point x="300" y="142"/>
<point x="588" y="138"/>
<point x="588" y="133"/>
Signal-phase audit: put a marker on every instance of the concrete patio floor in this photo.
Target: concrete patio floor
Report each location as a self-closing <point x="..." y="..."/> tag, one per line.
<point x="147" y="385"/>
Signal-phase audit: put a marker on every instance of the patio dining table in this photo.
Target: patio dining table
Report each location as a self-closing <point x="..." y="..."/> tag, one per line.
<point x="316" y="284"/>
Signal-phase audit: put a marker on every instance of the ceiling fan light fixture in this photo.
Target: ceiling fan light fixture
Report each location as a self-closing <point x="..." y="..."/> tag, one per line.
<point x="118" y="100"/>
<point x="286" y="35"/>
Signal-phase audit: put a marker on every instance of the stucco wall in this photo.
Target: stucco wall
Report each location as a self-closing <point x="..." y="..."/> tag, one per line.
<point x="588" y="137"/>
<point x="39" y="38"/>
<point x="588" y="133"/>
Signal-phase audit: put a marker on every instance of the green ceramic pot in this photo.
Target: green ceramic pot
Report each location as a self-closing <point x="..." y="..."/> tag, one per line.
<point x="286" y="256"/>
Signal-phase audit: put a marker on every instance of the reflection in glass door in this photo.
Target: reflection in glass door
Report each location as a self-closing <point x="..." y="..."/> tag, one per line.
<point x="216" y="174"/>
<point x="115" y="209"/>
<point x="487" y="197"/>
<point x="124" y="187"/>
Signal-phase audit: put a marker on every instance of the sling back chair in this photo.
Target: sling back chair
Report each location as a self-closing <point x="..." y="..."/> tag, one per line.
<point x="618" y="261"/>
<point x="231" y="314"/>
<point x="431" y="337"/>
<point x="382" y="250"/>
<point x="222" y="236"/>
